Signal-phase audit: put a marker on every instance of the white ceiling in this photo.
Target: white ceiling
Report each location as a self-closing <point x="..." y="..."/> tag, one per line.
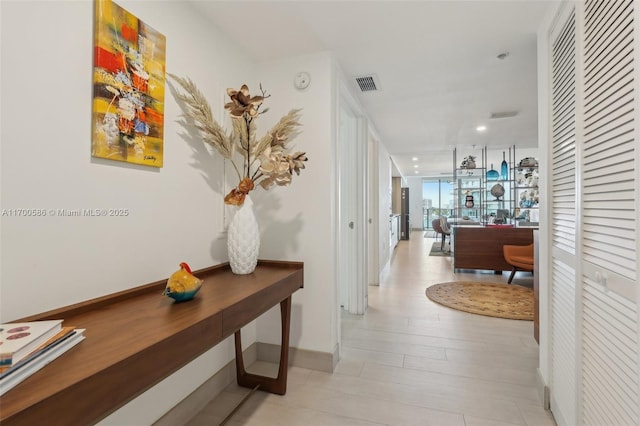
<point x="436" y="63"/>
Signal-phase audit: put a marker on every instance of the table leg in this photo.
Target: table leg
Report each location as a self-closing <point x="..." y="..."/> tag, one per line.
<point x="276" y="385"/>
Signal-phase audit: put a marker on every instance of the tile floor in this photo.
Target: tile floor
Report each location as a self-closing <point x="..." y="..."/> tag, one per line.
<point x="408" y="361"/>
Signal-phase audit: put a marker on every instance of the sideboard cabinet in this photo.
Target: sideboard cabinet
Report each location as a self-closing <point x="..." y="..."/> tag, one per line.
<point x="481" y="247"/>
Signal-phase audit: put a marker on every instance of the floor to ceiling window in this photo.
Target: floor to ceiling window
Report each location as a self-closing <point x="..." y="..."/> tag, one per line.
<point x="437" y="200"/>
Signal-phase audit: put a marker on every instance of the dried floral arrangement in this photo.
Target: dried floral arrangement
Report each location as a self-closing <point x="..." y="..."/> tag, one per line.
<point x="266" y="161"/>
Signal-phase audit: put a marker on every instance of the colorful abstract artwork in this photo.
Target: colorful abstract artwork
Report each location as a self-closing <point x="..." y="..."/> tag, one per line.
<point x="128" y="87"/>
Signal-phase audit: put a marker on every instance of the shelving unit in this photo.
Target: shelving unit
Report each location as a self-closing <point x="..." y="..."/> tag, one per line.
<point x="518" y="205"/>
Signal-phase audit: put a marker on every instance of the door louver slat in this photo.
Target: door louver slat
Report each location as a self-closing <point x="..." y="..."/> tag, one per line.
<point x="617" y="148"/>
<point x="611" y="81"/>
<point x="601" y="111"/>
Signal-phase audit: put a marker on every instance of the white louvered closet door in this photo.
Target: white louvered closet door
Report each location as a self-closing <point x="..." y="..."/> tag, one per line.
<point x="563" y="218"/>
<point x="610" y="368"/>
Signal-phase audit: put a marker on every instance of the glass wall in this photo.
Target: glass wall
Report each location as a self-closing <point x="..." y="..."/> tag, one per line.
<point x="437" y="199"/>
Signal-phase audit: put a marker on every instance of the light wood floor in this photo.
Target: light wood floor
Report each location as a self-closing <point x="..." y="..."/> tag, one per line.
<point x="409" y="361"/>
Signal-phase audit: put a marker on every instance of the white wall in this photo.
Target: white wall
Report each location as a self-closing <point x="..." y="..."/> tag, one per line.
<point x="296" y="222"/>
<point x="175" y="213"/>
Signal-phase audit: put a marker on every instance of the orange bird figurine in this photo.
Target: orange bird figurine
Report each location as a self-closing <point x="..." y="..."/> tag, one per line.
<point x="182" y="285"/>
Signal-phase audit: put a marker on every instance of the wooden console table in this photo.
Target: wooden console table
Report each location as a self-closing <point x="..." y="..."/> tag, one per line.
<point x="137" y="337"/>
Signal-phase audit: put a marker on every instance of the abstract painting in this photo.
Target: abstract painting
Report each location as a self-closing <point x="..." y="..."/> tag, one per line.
<point x="128" y="87"/>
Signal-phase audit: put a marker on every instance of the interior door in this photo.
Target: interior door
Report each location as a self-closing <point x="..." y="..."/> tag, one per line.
<point x="594" y="291"/>
<point x="373" y="229"/>
<point x="352" y="239"/>
<point x="610" y="371"/>
<point x="564" y="210"/>
<point x="347" y="149"/>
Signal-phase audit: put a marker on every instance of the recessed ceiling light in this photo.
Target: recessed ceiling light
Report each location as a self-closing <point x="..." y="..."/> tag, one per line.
<point x="417" y="171"/>
<point x="481" y="128"/>
<point x="415" y="158"/>
<point x="415" y="166"/>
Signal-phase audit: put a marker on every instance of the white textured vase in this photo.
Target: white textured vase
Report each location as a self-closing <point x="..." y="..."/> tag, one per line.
<point x="243" y="239"/>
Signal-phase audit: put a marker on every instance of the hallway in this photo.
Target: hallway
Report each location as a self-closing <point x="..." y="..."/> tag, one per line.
<point x="409" y="361"/>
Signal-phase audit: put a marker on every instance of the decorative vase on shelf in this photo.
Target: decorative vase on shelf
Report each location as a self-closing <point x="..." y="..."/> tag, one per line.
<point x="469" y="203"/>
<point x="497" y="191"/>
<point x="528" y="162"/>
<point x="469" y="162"/>
<point x="504" y="168"/>
<point x="243" y="239"/>
<point x="493" y="174"/>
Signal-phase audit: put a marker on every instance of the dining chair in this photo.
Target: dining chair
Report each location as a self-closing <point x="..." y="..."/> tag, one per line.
<point x="446" y="230"/>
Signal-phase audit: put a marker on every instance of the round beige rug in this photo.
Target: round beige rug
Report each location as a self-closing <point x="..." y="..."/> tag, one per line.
<point x="490" y="299"/>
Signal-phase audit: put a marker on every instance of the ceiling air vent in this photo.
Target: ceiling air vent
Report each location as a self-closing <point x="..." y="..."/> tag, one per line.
<point x="368" y="83"/>
<point x="503" y="114"/>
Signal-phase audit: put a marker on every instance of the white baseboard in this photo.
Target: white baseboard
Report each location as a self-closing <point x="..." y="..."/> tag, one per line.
<point x="543" y="391"/>
<point x="386" y="270"/>
<point x="209" y="390"/>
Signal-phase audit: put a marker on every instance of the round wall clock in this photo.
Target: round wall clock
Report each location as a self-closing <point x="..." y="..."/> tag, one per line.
<point x="302" y="80"/>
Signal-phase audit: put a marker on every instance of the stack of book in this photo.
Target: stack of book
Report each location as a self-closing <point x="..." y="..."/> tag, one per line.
<point x="28" y="346"/>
